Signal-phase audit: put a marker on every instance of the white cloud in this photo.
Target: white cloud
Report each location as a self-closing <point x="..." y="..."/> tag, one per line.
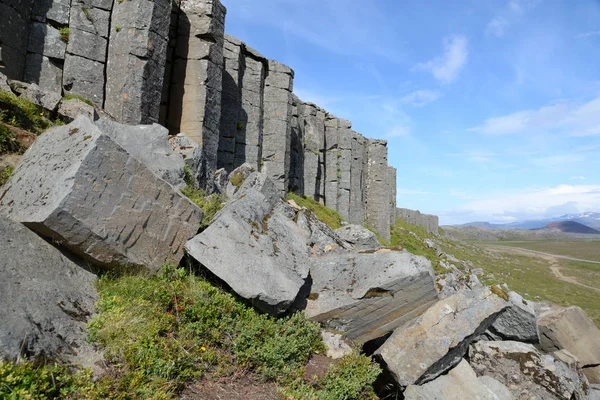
<point x="570" y="118"/>
<point x="587" y="35"/>
<point x="315" y="97"/>
<point x="530" y="203"/>
<point x="496" y="27"/>
<point x="578" y="178"/>
<point x="556" y="161"/>
<point x="420" y="97"/>
<point x="446" y="68"/>
<point x="515" y="6"/>
<point x="397" y="131"/>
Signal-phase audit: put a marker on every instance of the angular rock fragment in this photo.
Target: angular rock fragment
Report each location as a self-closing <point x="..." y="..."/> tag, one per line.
<point x="70" y="109"/>
<point x="517" y="322"/>
<point x="322" y="238"/>
<point x="42" y="98"/>
<point x="46" y="300"/>
<point x="438" y="339"/>
<point x="255" y="246"/>
<point x="149" y="144"/>
<point x="191" y="153"/>
<point x="336" y="345"/>
<point x="359" y="237"/>
<point x="78" y="187"/>
<point x="366" y="296"/>
<point x="461" y="383"/>
<point x="524" y="370"/>
<point x="571" y="329"/>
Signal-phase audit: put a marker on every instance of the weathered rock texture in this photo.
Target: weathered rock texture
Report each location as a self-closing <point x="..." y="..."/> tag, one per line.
<point x="366" y="296"/>
<point x="427" y="221"/>
<point x="438" y="340"/>
<point x="78" y="187"/>
<point x="571" y="329"/>
<point x="460" y="383"/>
<point x="523" y="369"/>
<point x="359" y="237"/>
<point x="255" y="247"/>
<point x="46" y="300"/>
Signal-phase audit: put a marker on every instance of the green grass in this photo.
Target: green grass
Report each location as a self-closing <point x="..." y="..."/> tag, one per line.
<point x="236" y="179"/>
<point x="584" y="249"/>
<point x="77" y="97"/>
<point x="210" y="205"/>
<point x="332" y="218"/>
<point x="64" y="34"/>
<point x="23" y="114"/>
<point x="5" y="174"/>
<point x="8" y="141"/>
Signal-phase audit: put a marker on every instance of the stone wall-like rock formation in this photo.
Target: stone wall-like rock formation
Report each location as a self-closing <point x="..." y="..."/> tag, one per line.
<point x="427" y="221"/>
<point x="167" y="61"/>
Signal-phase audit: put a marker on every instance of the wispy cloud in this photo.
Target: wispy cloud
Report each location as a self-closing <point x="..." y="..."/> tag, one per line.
<point x="475" y="156"/>
<point x="587" y="35"/>
<point x="556" y="161"/>
<point x="446" y="68"/>
<point x="578" y="178"/>
<point x="496" y="27"/>
<point x="397" y="131"/>
<point x="528" y="203"/>
<point x="571" y="118"/>
<point x="421" y="97"/>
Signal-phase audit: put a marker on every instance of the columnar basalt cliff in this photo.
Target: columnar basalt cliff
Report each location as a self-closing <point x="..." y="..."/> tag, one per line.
<point x="148" y="61"/>
<point x="427" y="221"/>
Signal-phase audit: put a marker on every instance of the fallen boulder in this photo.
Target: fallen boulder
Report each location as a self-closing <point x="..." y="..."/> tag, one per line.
<point x="571" y="329"/>
<point x="436" y="341"/>
<point x="255" y="247"/>
<point x="460" y="383"/>
<point x="358" y="236"/>
<point x="78" y="187"/>
<point x="71" y="108"/>
<point x="323" y="239"/>
<point x="191" y="153"/>
<point x="524" y="370"/>
<point x="366" y="296"/>
<point x="46" y="300"/>
<point x="518" y="322"/>
<point x="149" y="144"/>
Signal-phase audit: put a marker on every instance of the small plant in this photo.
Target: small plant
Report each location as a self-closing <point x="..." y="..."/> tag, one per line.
<point x="87" y="13"/>
<point x="210" y="205"/>
<point x="240" y="125"/>
<point x="23" y="114"/>
<point x="117" y="27"/>
<point x="236" y="179"/>
<point x="64" y="34"/>
<point x="77" y="97"/>
<point x="332" y="218"/>
<point x="5" y="174"/>
<point x="8" y="141"/>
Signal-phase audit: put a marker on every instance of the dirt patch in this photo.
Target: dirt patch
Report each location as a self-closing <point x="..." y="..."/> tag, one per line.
<point x="317" y="367"/>
<point x="242" y="387"/>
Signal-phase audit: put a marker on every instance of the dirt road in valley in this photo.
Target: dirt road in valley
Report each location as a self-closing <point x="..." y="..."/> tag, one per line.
<point x="551" y="258"/>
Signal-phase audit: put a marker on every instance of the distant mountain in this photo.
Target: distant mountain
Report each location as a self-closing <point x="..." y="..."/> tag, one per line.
<point x="590" y="219"/>
<point x="570" y="227"/>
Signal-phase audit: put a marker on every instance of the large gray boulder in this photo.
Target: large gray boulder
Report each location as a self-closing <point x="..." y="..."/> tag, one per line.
<point x="46" y="300"/>
<point x="359" y="237"/>
<point x="525" y="371"/>
<point x="323" y="239"/>
<point x="149" y="144"/>
<point x="255" y="246"/>
<point x="366" y="296"/>
<point x="571" y="329"/>
<point x="517" y="322"/>
<point x="461" y="383"/>
<point x="436" y="341"/>
<point x="77" y="186"/>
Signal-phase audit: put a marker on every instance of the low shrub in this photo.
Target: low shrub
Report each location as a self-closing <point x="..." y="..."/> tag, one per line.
<point x="210" y="205"/>
<point x="332" y="218"/>
<point x="22" y="114"/>
<point x="5" y="174"/>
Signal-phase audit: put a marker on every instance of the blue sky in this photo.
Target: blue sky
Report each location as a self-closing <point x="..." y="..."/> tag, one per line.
<point x="491" y="109"/>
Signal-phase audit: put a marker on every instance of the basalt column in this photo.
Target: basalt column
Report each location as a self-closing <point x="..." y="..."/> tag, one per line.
<point x="358" y="178"/>
<point x="136" y="60"/>
<point x="330" y="157"/>
<point x="296" y="183"/>
<point x="195" y="101"/>
<point x="312" y="126"/>
<point x="378" y="212"/>
<point x="277" y="124"/>
<point x="344" y="167"/>
<point x="14" y="32"/>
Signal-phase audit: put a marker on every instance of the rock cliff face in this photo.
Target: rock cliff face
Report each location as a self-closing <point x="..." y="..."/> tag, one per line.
<point x="148" y="61"/>
<point x="429" y="222"/>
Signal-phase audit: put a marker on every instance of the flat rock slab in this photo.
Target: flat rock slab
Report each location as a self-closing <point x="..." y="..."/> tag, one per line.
<point x="524" y="370"/>
<point x="255" y="246"/>
<point x="571" y="329"/>
<point x="46" y="300"/>
<point x="461" y="383"/>
<point x="438" y="339"/>
<point x="359" y="237"/>
<point x="77" y="186"/>
<point x="517" y="322"/>
<point x="366" y="296"/>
